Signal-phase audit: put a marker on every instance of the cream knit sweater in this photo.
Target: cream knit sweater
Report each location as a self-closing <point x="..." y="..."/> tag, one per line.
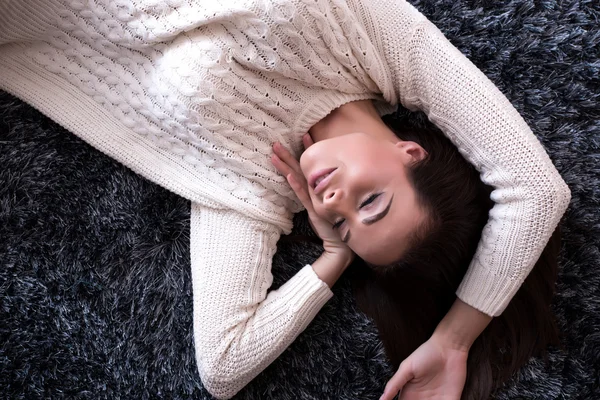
<point x="191" y="95"/>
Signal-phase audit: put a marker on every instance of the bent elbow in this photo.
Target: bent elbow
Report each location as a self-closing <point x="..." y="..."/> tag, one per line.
<point x="221" y="382"/>
<point x="560" y="196"/>
<point x="549" y="200"/>
<point x="566" y="193"/>
<point x="222" y="360"/>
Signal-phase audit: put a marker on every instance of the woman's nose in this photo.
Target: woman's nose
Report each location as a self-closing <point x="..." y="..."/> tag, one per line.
<point x="332" y="198"/>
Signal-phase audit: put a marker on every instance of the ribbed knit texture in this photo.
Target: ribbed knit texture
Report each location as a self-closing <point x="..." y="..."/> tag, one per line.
<point x="239" y="329"/>
<point x="192" y="94"/>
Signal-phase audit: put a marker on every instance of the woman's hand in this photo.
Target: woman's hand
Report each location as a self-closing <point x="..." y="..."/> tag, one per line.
<point x="435" y="370"/>
<point x="288" y="166"/>
<point x="438" y="369"/>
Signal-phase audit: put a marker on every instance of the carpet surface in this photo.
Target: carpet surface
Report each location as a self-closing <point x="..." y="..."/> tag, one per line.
<point x="95" y="292"/>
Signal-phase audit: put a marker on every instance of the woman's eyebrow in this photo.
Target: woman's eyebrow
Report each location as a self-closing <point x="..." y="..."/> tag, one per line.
<point x="371" y="220"/>
<point x="374" y="218"/>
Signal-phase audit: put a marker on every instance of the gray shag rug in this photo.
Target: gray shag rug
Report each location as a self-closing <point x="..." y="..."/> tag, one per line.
<point x="95" y="293"/>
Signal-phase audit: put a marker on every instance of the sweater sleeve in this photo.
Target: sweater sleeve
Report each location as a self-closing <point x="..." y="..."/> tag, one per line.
<point x="428" y="73"/>
<point x="239" y="328"/>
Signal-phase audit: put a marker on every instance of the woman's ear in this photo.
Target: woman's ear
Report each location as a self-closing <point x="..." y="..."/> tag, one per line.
<point x="412" y="150"/>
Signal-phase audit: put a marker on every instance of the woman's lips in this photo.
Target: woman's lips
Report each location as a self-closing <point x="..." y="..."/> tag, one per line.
<point x="319" y="180"/>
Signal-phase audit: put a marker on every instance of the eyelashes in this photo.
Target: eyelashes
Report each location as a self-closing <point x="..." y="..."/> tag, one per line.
<point x="338" y="223"/>
<point x="369" y="200"/>
<point x="365" y="203"/>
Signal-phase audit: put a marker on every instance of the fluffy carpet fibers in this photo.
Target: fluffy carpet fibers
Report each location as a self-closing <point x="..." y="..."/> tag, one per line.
<point x="95" y="293"/>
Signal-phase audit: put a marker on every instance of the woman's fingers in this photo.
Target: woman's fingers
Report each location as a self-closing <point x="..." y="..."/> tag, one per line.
<point x="307" y="141"/>
<point x="300" y="190"/>
<point x="400" y="378"/>
<point x="295" y="180"/>
<point x="289" y="167"/>
<point x="287" y="157"/>
<point x="282" y="167"/>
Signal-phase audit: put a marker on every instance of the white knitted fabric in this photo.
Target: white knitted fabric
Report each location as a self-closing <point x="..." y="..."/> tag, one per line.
<point x="191" y="95"/>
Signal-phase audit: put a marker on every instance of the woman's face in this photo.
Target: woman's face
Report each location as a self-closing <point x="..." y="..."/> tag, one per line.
<point x="359" y="184"/>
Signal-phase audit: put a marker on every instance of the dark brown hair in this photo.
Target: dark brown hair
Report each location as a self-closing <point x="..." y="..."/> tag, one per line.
<point x="408" y="299"/>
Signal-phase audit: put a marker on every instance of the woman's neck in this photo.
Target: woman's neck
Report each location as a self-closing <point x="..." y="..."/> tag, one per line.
<point x="356" y="116"/>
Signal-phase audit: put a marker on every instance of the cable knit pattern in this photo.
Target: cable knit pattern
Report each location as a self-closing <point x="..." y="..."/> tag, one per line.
<point x="192" y="94"/>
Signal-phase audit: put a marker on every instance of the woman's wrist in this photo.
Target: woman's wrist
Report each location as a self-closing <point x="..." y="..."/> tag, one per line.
<point x="330" y="266"/>
<point x="461" y="326"/>
<point x="342" y="257"/>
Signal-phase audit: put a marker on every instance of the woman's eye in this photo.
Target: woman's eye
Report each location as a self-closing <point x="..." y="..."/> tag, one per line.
<point x="338" y="223"/>
<point x="369" y="200"/>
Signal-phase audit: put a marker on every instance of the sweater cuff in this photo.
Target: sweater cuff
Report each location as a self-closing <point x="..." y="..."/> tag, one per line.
<point x="486" y="291"/>
<point x="306" y="293"/>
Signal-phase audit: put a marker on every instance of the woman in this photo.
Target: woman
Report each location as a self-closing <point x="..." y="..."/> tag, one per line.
<point x="192" y="96"/>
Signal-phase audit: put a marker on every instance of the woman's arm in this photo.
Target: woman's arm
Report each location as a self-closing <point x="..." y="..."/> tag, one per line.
<point x="239" y="328"/>
<point x="462" y="325"/>
<point x="438" y="368"/>
<point x="426" y="72"/>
